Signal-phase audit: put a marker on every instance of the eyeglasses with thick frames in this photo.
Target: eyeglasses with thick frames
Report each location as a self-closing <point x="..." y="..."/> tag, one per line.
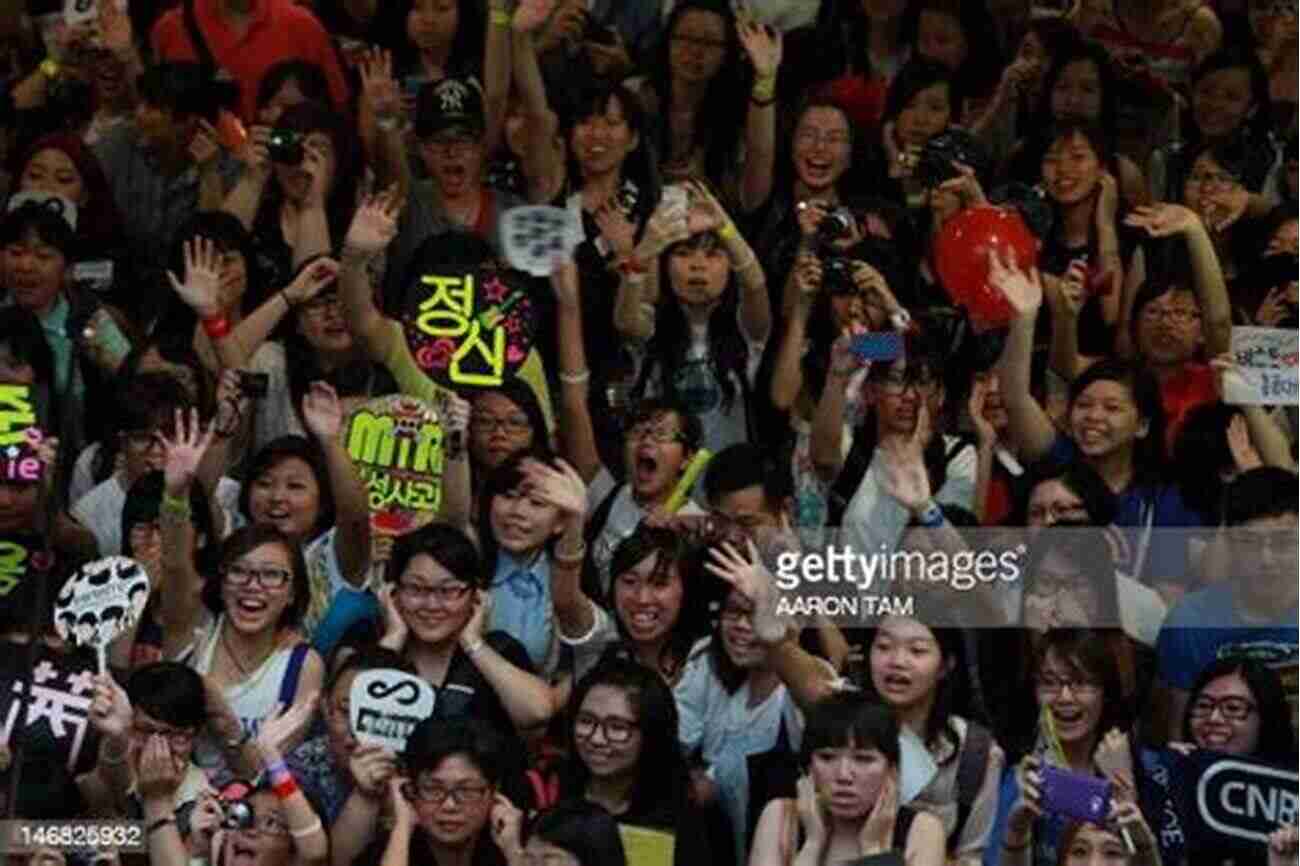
<point x="447" y="593"/>
<point x="436" y="793"/>
<point x="655" y="433"/>
<point x="614" y="729"/>
<point x="1052" y="686"/>
<point x="268" y="577"/>
<point x="1232" y="708"/>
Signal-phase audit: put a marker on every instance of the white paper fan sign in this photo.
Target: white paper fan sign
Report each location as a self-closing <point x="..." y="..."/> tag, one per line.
<point x="99" y="602"/>
<point x="386" y="705"/>
<point x="534" y="235"/>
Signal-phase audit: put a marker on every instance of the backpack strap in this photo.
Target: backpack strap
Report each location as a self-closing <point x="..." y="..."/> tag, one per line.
<point x="971" y="767"/>
<point x="201" y="49"/>
<point x="292" y="673"/>
<point x="591" y="583"/>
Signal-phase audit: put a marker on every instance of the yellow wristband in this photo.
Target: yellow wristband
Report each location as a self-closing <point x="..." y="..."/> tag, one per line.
<point x="499" y="18"/>
<point x="764" y="89"/>
<point x="728" y="231"/>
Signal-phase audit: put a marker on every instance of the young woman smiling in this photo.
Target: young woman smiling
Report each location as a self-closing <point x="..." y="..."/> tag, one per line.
<point x="847" y="804"/>
<point x="624" y="757"/>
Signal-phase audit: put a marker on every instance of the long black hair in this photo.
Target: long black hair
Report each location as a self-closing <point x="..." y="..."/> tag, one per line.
<point x="982" y="68"/>
<point x="641" y="167"/>
<point x="466" y="57"/>
<point x="721" y="115"/>
<point x="661" y="774"/>
<point x="667" y="350"/>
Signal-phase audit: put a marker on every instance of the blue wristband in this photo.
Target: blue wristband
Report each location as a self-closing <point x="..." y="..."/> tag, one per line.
<point x="931" y="517"/>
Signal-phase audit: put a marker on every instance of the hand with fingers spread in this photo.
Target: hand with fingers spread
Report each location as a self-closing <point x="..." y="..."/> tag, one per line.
<point x="615" y="227"/>
<point x="373" y="227"/>
<point x="667" y="225"/>
<point x="877" y="833"/>
<point x="763" y="47"/>
<point x="371" y="767"/>
<point x="311" y="280"/>
<point x="378" y="87"/>
<point x="750" y="578"/>
<point x="395" y="629"/>
<point x="201" y="290"/>
<point x="110" y="708"/>
<point x="184" y="452"/>
<point x="204" y="148"/>
<point x="1024" y="291"/>
<point x="322" y="412"/>
<point x="706" y="213"/>
<point x="1278" y="304"/>
<point x="561" y="486"/>
<point x="1164" y="219"/>
<point x="814" y="815"/>
<point x="1244" y="454"/>
<point x="285" y="728"/>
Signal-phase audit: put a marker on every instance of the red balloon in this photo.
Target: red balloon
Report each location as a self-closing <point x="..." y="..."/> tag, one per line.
<point x="961" y="258"/>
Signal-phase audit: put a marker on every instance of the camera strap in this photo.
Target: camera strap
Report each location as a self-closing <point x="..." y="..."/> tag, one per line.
<point x="206" y="60"/>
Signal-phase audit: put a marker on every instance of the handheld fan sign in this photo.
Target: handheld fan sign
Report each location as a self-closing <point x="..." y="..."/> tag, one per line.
<point x="385" y="705"/>
<point x="534" y="235"/>
<point x="396" y="444"/>
<point x="102" y="600"/>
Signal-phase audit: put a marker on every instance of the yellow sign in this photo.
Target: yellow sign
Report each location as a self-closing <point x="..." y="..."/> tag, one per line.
<point x="647" y="847"/>
<point x="396" y="444"/>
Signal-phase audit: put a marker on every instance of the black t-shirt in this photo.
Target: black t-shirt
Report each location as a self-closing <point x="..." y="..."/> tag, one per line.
<point x="486" y="852"/>
<point x="56" y="737"/>
<point x="466" y="693"/>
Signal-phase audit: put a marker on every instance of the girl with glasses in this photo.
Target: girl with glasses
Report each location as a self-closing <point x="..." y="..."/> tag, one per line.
<point x="625" y="758"/>
<point x="1239" y="706"/>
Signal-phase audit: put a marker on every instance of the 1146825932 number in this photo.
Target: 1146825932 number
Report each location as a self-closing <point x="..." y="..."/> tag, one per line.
<point x="27" y="837"/>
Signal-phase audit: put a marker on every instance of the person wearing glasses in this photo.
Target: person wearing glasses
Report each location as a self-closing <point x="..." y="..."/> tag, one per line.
<point x="446" y="801"/>
<point x="1240" y="707"/>
<point x="437" y="614"/>
<point x="625" y="758"/>
<point x="148" y="405"/>
<point x="1075" y="678"/>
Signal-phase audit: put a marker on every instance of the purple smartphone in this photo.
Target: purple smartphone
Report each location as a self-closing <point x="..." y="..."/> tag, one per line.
<point x="1086" y="798"/>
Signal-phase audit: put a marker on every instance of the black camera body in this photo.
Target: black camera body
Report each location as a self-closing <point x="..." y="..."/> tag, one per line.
<point x="285" y="146"/>
<point x="837" y="276"/>
<point x="836" y="225"/>
<point x="254" y="386"/>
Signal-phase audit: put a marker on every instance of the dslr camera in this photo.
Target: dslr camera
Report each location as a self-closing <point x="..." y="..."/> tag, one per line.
<point x="284" y="146"/>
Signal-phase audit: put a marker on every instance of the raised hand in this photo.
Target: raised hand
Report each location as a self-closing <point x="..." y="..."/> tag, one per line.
<point x="373" y="226"/>
<point x="472" y="633"/>
<point x="184" y="452"/>
<point x="285" y="728"/>
<point x="808" y="276"/>
<point x="1283" y="845"/>
<point x="560" y="486"/>
<point x="669" y="224"/>
<point x="1243" y="451"/>
<point x="530" y="15"/>
<point x="615" y="227"/>
<point x="506" y="820"/>
<point x="1107" y="199"/>
<point x="762" y="45"/>
<point x="372" y="766"/>
<point x="809" y="215"/>
<point x="1024" y="291"/>
<point x="705" y="213"/>
<point x="322" y="412"/>
<point x="311" y="280"/>
<point x="378" y="87"/>
<point x="751" y="579"/>
<point x="1276" y="305"/>
<point x="1164" y="219"/>
<point x="110" y="709"/>
<point x="315" y="163"/>
<point x="1114" y="758"/>
<point x="201" y="290"/>
<point x="966" y="186"/>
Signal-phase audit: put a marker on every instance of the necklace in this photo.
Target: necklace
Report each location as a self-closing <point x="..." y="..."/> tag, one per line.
<point x="230" y="652"/>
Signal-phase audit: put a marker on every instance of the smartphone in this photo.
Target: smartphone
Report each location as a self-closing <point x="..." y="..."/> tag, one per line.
<point x="1075" y="795"/>
<point x="878" y="347"/>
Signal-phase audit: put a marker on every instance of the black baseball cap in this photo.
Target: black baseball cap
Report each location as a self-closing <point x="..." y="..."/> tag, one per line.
<point x="453" y="103"/>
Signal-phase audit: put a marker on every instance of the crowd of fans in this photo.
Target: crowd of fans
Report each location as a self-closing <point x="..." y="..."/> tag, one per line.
<point x="223" y="217"/>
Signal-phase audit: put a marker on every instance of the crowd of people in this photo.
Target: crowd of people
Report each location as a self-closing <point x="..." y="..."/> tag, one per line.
<point x="232" y="223"/>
